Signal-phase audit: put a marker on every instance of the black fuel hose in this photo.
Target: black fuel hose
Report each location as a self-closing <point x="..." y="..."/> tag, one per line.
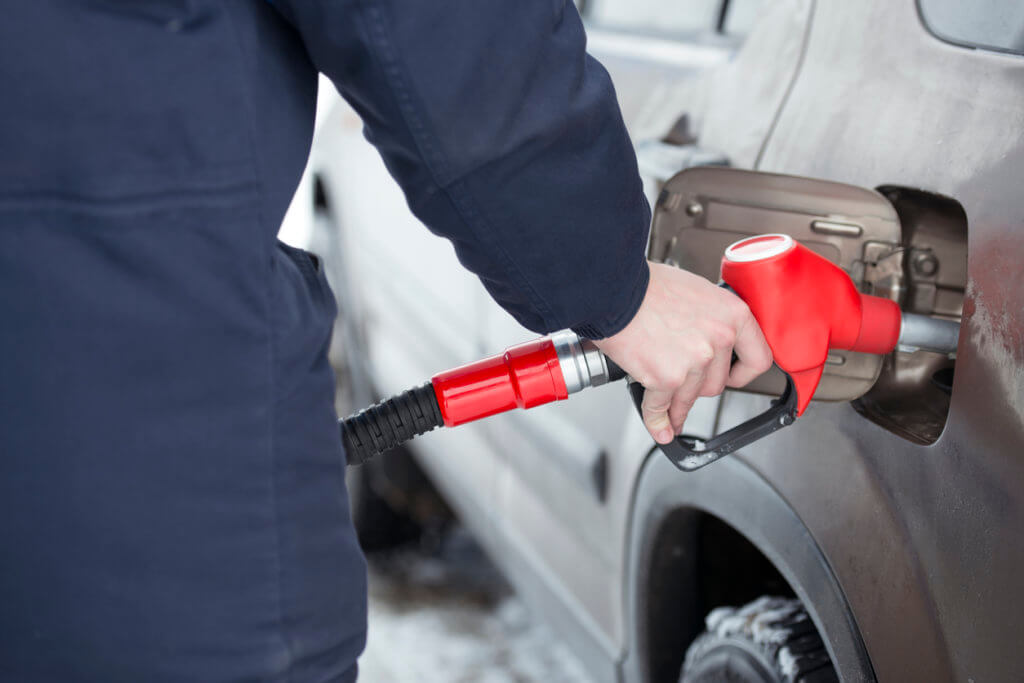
<point x="390" y="423"/>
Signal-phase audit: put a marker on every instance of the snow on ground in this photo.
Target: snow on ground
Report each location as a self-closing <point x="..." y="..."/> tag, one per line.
<point x="449" y="617"/>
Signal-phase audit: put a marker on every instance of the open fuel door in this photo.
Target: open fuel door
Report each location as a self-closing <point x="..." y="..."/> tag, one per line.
<point x="703" y="210"/>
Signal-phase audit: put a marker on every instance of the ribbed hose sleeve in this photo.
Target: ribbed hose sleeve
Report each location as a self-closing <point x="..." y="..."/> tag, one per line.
<point x="390" y="423"/>
<point x="615" y="373"/>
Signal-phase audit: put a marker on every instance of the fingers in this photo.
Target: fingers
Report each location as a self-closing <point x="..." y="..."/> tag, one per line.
<point x="664" y="412"/>
<point x="717" y="372"/>
<point x="755" y="356"/>
<point x="654" y="410"/>
<point x="683" y="400"/>
<point x="679" y="345"/>
<point x="665" y="409"/>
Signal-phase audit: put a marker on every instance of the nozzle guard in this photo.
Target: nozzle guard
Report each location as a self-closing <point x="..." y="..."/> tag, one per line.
<point x="689" y="453"/>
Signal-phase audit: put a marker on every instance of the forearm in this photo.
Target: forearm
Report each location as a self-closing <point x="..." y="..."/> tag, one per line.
<point x="506" y="139"/>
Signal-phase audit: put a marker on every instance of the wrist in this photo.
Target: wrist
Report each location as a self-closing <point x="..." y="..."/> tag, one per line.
<point x="628" y="303"/>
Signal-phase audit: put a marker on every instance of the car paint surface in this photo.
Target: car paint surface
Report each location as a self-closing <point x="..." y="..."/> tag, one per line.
<point x="923" y="541"/>
<point x="928" y="533"/>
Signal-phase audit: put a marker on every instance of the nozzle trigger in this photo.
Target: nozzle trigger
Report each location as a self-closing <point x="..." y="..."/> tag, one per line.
<point x="688" y="453"/>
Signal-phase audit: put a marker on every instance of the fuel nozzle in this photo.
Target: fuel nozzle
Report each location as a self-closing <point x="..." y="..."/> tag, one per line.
<point x="807" y="305"/>
<point x="536" y="372"/>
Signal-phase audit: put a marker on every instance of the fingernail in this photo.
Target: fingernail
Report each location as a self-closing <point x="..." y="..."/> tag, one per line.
<point x="664" y="436"/>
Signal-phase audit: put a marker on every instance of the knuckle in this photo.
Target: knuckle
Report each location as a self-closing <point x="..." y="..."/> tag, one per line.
<point x="678" y="376"/>
<point x="658" y="423"/>
<point x="683" y="409"/>
<point x="742" y="316"/>
<point x="703" y="352"/>
<point x="671" y="377"/>
<point x="655" y="405"/>
<point x="653" y="412"/>
<point x="735" y="308"/>
<point x="713" y="388"/>
<point x="653" y="379"/>
<point x="724" y="337"/>
<point x="740" y="309"/>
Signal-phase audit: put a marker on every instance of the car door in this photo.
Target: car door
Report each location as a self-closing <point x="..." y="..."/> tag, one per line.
<point x="912" y="99"/>
<point x="565" y="480"/>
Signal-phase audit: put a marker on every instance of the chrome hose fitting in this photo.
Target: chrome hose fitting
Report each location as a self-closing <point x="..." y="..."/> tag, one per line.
<point x="583" y="365"/>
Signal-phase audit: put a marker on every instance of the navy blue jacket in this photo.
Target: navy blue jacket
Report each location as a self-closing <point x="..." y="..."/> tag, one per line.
<point x="172" y="500"/>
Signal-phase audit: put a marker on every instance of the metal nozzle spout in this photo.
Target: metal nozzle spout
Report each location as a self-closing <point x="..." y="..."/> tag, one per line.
<point x="925" y="333"/>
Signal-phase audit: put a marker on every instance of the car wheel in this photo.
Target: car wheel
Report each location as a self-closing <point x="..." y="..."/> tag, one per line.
<point x="770" y="640"/>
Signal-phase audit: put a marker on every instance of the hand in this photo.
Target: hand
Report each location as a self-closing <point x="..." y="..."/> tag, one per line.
<point x="679" y="346"/>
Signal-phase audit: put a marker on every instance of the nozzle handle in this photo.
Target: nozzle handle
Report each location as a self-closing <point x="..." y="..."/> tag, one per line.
<point x="689" y="453"/>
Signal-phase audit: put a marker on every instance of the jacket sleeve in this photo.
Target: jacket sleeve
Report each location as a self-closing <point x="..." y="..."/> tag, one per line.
<point x="506" y="138"/>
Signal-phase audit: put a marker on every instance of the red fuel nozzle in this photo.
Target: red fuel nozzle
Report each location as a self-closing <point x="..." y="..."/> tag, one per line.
<point x="525" y="376"/>
<point x="806" y="305"/>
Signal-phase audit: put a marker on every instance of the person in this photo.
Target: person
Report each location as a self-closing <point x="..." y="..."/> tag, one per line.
<point x="172" y="499"/>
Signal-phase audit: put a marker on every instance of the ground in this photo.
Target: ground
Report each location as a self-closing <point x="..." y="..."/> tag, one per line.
<point x="447" y="616"/>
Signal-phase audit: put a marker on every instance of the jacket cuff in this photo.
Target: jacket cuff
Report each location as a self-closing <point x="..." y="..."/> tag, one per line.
<point x="629" y="303"/>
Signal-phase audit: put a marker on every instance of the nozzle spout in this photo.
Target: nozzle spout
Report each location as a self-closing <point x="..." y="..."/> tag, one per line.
<point x="925" y="333"/>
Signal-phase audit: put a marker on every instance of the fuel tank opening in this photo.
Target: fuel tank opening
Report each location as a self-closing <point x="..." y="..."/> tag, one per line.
<point x="912" y="394"/>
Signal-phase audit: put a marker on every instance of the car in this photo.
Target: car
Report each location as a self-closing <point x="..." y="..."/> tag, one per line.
<point x="879" y="537"/>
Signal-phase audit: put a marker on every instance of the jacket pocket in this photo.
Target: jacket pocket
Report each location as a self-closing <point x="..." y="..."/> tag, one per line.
<point x="311" y="267"/>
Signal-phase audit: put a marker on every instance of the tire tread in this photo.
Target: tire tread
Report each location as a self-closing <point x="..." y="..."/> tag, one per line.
<point x="777" y="631"/>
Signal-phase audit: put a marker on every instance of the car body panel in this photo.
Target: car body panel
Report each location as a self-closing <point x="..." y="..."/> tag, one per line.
<point x="921" y="542"/>
<point x="923" y="539"/>
<point x="733" y="103"/>
<point x="735" y="493"/>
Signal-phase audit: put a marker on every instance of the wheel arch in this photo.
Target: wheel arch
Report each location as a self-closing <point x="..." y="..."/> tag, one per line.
<point x="664" y="584"/>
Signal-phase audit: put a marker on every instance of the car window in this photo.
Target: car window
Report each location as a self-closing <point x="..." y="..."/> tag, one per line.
<point x="678" y="17"/>
<point x="989" y="24"/>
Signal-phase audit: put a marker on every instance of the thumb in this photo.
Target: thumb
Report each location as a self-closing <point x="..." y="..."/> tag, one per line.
<point x="654" y="409"/>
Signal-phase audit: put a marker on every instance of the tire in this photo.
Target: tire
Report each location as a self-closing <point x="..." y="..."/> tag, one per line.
<point x="770" y="640"/>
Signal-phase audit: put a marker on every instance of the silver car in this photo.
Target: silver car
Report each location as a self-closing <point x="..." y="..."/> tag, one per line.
<point x="877" y="538"/>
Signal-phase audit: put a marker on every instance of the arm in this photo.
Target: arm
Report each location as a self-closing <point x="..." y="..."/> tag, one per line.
<point x="507" y="139"/>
